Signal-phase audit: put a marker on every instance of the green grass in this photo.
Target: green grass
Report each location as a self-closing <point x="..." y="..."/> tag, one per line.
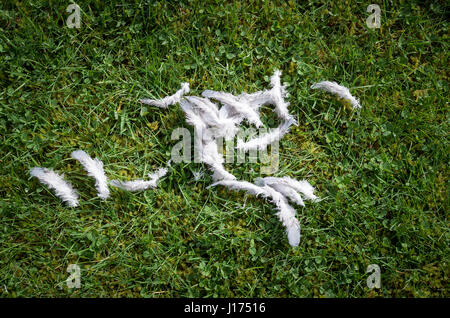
<point x="382" y="172"/>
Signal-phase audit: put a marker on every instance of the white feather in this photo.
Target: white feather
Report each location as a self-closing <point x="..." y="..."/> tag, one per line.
<point x="256" y="99"/>
<point x="211" y="123"/>
<point x="161" y="172"/>
<point x="198" y="175"/>
<point x="286" y="213"/>
<point x="139" y="185"/>
<point x="275" y="96"/>
<point x="62" y="188"/>
<point x="263" y="141"/>
<point x="241" y="185"/>
<point x="303" y="186"/>
<point x="192" y="117"/>
<point x="285" y="190"/>
<point x="211" y="156"/>
<point x="204" y="108"/>
<point x="339" y="90"/>
<point x="220" y="125"/>
<point x="205" y="142"/>
<point x="169" y="100"/>
<point x="219" y="172"/>
<point x="238" y="106"/>
<point x="278" y="93"/>
<point x="132" y="186"/>
<point x="94" y="168"/>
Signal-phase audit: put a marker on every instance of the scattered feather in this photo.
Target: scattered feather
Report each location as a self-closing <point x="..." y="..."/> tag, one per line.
<point x="56" y="182"/>
<point x="161" y="172"/>
<point x="275" y="96"/>
<point x="286" y="213"/>
<point x="211" y="122"/>
<point x="285" y="190"/>
<point x="339" y="90"/>
<point x="263" y="141"/>
<point x="211" y="156"/>
<point x="169" y="100"/>
<point x="140" y="185"/>
<point x="94" y="168"/>
<point x="220" y="125"/>
<point x="303" y="186"/>
<point x="198" y="175"/>
<point x="278" y="93"/>
<point x="239" y="107"/>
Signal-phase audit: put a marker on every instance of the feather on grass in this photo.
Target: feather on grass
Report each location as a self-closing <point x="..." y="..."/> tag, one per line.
<point x="169" y="100"/>
<point x="56" y="182"/>
<point x="275" y="96"/>
<point x="140" y="185"/>
<point x="94" y="168"/>
<point x="286" y="213"/>
<point x="339" y="90"/>
<point x="302" y="186"/>
<point x="239" y="107"/>
<point x="263" y="141"/>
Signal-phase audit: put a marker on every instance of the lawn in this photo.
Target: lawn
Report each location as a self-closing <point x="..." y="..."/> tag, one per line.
<point x="381" y="171"/>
